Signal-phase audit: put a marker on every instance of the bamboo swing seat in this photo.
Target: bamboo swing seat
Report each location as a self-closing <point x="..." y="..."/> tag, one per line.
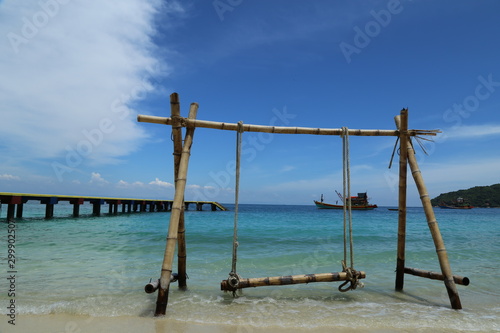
<point x="349" y="274"/>
<point x="225" y="285"/>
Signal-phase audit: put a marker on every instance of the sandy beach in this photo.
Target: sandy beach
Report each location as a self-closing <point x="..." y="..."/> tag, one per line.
<point x="82" y="324"/>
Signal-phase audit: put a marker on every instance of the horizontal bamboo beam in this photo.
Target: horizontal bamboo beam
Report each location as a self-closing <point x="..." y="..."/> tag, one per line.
<point x="152" y="286"/>
<point x="462" y="280"/>
<point x="290" y="279"/>
<point x="186" y="122"/>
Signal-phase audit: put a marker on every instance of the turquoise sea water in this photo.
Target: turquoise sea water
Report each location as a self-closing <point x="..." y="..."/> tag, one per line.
<point x="98" y="266"/>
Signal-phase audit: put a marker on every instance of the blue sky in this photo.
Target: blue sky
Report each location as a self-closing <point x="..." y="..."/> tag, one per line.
<point x="75" y="74"/>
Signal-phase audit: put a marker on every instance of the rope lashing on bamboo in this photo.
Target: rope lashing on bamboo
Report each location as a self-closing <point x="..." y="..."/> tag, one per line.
<point x="234" y="278"/>
<point x="418" y="138"/>
<point x="352" y="279"/>
<point x="352" y="274"/>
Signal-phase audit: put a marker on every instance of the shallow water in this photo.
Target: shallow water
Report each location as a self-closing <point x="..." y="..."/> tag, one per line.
<point x="98" y="266"/>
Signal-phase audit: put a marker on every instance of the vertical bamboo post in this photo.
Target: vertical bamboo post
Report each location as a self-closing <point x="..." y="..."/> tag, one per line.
<point x="180" y="187"/>
<point x="177" y="139"/>
<point x="181" y="233"/>
<point x="451" y="287"/>
<point x="402" y="126"/>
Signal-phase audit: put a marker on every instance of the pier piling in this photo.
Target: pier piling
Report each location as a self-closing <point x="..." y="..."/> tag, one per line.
<point x="10" y="211"/>
<point x="19" y="212"/>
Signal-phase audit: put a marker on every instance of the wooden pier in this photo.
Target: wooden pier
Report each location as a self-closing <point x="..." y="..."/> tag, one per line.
<point x="15" y="204"/>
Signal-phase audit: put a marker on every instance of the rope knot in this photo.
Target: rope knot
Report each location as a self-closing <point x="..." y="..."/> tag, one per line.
<point x="352" y="279"/>
<point x="234" y="281"/>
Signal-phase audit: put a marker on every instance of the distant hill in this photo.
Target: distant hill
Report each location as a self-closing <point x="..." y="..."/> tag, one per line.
<point x="479" y="196"/>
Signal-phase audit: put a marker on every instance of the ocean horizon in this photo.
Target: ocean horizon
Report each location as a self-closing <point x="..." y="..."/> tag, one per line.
<point x="96" y="267"/>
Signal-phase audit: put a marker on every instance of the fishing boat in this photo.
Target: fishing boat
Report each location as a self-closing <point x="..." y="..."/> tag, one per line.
<point x="455" y="207"/>
<point x="359" y="202"/>
<point x="459" y="204"/>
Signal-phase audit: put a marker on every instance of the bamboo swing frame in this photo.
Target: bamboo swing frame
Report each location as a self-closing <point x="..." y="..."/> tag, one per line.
<point x="176" y="229"/>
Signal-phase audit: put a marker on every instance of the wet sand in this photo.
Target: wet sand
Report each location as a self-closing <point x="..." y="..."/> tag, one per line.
<point x="82" y="324"/>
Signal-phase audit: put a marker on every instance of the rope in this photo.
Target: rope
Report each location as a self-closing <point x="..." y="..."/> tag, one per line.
<point x="352" y="274"/>
<point x="347" y="196"/>
<point x="234" y="278"/>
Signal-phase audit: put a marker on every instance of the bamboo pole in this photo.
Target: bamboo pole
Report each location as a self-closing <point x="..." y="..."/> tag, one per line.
<point x="152" y="286"/>
<point x="402" y="126"/>
<point x="444" y="263"/>
<point x="180" y="187"/>
<point x="462" y="280"/>
<point x="182" y="253"/>
<point x="290" y="279"/>
<point x="277" y="129"/>
<point x="177" y="140"/>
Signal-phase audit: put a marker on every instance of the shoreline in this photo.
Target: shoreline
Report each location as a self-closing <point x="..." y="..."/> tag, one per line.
<point x="63" y="323"/>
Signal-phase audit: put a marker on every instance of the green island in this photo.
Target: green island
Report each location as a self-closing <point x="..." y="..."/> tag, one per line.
<point x="478" y="196"/>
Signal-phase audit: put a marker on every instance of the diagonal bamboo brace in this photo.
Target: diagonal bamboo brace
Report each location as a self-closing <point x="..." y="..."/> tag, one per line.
<point x="444" y="263"/>
<point x="290" y="279"/>
<point x="175" y="215"/>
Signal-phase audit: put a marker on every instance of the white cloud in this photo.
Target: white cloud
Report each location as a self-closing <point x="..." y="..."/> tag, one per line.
<point x="96" y="178"/>
<point x="199" y="187"/>
<point x="161" y="183"/>
<point x="70" y="73"/>
<point x="462" y="172"/>
<point x="122" y="183"/>
<point x="9" y="177"/>
<point x="472" y="131"/>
